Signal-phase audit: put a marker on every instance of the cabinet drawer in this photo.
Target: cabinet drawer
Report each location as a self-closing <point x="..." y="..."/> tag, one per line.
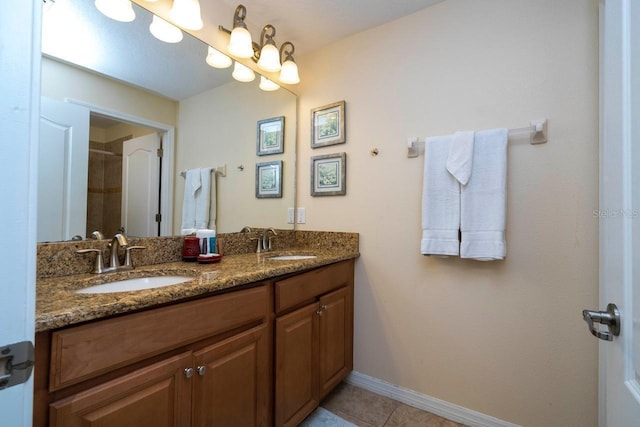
<point x="306" y="286"/>
<point x="85" y="351"/>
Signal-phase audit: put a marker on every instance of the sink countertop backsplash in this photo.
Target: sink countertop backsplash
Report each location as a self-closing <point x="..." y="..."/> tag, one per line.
<point x="60" y="271"/>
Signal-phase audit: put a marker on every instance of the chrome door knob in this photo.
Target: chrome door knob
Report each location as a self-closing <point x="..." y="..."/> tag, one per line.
<point x="201" y="370"/>
<point x="609" y="318"/>
<point x="188" y="372"/>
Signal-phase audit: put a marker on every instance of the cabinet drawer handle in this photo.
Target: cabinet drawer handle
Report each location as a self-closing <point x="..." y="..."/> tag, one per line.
<point x="201" y="370"/>
<point x="188" y="372"/>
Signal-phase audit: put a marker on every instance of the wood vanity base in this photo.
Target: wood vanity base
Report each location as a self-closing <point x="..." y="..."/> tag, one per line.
<point x="260" y="356"/>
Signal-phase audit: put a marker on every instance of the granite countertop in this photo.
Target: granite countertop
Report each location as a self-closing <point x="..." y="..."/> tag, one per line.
<point x="58" y="305"/>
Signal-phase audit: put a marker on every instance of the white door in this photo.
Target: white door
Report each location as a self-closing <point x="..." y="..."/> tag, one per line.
<point x="140" y="192"/>
<point x="63" y="162"/>
<point x="619" y="210"/>
<point x="20" y="88"/>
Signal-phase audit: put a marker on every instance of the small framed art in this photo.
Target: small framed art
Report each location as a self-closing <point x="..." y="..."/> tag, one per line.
<point x="269" y="179"/>
<point x="329" y="175"/>
<point x="270" y="136"/>
<point x="328" y="125"/>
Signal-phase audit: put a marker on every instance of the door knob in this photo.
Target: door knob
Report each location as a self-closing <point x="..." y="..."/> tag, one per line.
<point x="609" y="318"/>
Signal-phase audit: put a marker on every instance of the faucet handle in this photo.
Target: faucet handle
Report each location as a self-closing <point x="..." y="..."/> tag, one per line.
<point x="127" y="259"/>
<point x="259" y="247"/>
<point x="98" y="267"/>
<point x="270" y="246"/>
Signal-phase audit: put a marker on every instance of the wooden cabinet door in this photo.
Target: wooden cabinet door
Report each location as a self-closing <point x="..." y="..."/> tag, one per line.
<point x="232" y="382"/>
<point x="296" y="373"/>
<point x="336" y="339"/>
<point x="158" y="395"/>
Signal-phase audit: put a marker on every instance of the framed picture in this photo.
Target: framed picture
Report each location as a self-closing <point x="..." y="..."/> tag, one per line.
<point x="270" y="136"/>
<point x="328" y="125"/>
<point x="269" y="179"/>
<point x="329" y="175"/>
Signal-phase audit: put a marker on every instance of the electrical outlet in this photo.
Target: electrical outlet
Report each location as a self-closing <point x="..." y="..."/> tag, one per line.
<point x="302" y="215"/>
<point x="290" y="216"/>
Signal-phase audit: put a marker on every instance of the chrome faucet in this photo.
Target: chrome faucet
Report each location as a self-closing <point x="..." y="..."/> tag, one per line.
<point x="266" y="240"/>
<point x="118" y="241"/>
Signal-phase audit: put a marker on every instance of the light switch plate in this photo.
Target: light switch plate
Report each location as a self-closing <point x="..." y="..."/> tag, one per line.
<point x="302" y="215"/>
<point x="290" y="216"/>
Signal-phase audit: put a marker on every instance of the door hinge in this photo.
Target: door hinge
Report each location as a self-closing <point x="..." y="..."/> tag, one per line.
<point x="16" y="363"/>
<point x="159" y="152"/>
<point x="158" y="217"/>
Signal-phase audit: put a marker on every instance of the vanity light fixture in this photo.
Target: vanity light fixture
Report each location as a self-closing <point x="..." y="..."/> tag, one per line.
<point x="186" y="13"/>
<point x="217" y="59"/>
<point x="242" y="73"/>
<point x="165" y="31"/>
<point x="267" y="85"/>
<point x="240" y="43"/>
<point x="266" y="55"/>
<point x="119" y="10"/>
<point x="269" y="55"/>
<point x="289" y="72"/>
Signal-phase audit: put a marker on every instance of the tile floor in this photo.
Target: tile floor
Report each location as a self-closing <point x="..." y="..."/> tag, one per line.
<point x="366" y="409"/>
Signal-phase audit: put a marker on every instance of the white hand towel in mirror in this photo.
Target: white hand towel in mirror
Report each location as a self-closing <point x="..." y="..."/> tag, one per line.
<point x="460" y="157"/>
<point x="203" y="199"/>
<point x="440" y="201"/>
<point x="483" y="199"/>
<point x="192" y="184"/>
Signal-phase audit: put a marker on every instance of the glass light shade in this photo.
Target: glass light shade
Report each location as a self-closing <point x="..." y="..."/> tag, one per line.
<point x="164" y="31"/>
<point x="240" y="43"/>
<point x="268" y="85"/>
<point x="269" y="58"/>
<point x="186" y="13"/>
<point x="217" y="59"/>
<point x="119" y="10"/>
<point x="289" y="73"/>
<point x="242" y="73"/>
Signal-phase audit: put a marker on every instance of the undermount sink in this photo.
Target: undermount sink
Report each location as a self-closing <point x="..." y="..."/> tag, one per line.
<point x="291" y="257"/>
<point x="136" y="284"/>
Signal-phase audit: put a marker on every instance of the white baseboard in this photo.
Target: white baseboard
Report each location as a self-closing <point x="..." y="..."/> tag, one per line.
<point x="422" y="401"/>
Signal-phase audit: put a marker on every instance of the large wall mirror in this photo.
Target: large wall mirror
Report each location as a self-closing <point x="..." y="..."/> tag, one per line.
<point x="137" y="94"/>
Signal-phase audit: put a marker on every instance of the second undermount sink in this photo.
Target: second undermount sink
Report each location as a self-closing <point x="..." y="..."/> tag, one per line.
<point x="291" y="257"/>
<point x="136" y="284"/>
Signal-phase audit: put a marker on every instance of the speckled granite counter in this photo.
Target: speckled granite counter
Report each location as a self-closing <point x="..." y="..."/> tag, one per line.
<point x="58" y="305"/>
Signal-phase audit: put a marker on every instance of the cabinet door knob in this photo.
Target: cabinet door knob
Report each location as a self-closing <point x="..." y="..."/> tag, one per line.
<point x="188" y="372"/>
<point x="319" y="312"/>
<point x="201" y="370"/>
<point x="324" y="307"/>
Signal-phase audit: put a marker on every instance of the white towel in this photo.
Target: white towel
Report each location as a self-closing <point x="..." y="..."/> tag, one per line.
<point x="440" y="201"/>
<point x="460" y="157"/>
<point x="199" y="191"/>
<point x="483" y="199"/>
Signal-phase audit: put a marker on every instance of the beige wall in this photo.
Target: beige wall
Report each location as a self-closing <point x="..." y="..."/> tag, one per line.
<point x="502" y="338"/>
<point x="60" y="81"/>
<point x="219" y="127"/>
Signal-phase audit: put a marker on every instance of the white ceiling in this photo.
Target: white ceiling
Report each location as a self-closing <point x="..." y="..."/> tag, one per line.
<point x="75" y="32"/>
<point x="311" y="24"/>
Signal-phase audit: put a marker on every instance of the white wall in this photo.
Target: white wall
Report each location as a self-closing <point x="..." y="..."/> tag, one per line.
<point x="60" y="81"/>
<point x="502" y="338"/>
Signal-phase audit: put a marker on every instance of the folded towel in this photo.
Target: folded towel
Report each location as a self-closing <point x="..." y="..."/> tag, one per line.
<point x="192" y="184"/>
<point x="483" y="199"/>
<point x="198" y="206"/>
<point x="461" y="156"/>
<point x="203" y="199"/>
<point x="440" y="201"/>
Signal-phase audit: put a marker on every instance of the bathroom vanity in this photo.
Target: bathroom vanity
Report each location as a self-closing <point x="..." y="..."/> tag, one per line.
<point x="229" y="351"/>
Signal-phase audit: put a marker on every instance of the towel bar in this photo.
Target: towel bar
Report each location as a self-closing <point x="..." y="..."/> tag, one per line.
<point x="220" y="171"/>
<point x="537" y="131"/>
